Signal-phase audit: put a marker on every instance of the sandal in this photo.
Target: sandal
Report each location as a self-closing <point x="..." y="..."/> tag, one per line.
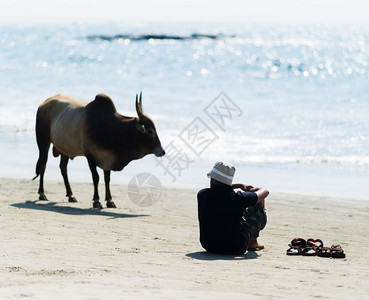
<point x="258" y="248"/>
<point x="312" y="247"/>
<point x="297" y="246"/>
<point x="324" y="252"/>
<point x="337" y="251"/>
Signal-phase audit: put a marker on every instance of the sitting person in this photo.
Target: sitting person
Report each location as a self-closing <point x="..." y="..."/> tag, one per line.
<point x="230" y="221"/>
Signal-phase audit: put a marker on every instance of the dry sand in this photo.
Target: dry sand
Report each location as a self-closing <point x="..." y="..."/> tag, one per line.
<point x="61" y="250"/>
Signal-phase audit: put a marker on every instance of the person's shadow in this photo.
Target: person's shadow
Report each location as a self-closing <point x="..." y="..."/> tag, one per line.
<point x="69" y="210"/>
<point x="203" y="255"/>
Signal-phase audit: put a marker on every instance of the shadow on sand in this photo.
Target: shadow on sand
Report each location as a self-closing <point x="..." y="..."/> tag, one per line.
<point x="203" y="255"/>
<point x="67" y="210"/>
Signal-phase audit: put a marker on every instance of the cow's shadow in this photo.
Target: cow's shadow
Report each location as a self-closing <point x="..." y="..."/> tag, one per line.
<point x="70" y="210"/>
<point x="203" y="255"/>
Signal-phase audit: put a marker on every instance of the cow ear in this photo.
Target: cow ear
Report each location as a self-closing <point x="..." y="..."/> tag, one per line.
<point x="140" y="127"/>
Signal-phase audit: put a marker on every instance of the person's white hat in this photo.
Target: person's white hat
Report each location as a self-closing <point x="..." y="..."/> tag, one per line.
<point x="222" y="172"/>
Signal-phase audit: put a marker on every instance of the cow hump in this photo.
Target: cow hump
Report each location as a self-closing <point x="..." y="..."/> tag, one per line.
<point x="102" y="105"/>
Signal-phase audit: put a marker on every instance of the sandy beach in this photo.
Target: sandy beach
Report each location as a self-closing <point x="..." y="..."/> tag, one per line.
<point x="280" y="91"/>
<point x="61" y="250"/>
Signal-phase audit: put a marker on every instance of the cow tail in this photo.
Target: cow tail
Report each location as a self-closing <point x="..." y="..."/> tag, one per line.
<point x="37" y="171"/>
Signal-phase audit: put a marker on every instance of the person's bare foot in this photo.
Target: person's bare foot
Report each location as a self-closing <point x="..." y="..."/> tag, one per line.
<point x="254" y="245"/>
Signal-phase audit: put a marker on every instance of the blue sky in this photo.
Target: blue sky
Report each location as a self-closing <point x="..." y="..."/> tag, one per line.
<point x="303" y="11"/>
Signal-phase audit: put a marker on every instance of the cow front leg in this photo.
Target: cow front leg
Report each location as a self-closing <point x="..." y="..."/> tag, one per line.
<point x="109" y="202"/>
<point x="95" y="179"/>
<point x="63" y="168"/>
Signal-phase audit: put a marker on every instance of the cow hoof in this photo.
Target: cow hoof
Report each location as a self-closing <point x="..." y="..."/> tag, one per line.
<point x="97" y="204"/>
<point x="110" y="204"/>
<point x="72" y="199"/>
<point x="43" y="197"/>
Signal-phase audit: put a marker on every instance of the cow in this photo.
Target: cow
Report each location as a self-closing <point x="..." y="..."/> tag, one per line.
<point x="97" y="131"/>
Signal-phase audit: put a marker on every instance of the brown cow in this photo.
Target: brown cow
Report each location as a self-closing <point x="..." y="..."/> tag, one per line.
<point x="95" y="130"/>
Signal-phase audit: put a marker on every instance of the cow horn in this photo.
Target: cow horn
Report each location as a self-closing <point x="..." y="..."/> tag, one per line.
<point x="139" y="107"/>
<point x="141" y="101"/>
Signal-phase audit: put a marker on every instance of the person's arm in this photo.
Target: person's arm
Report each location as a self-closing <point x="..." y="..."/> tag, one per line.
<point x="261" y="193"/>
<point x="244" y="187"/>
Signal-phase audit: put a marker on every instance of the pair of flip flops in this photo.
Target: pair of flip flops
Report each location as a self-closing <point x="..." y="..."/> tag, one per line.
<point x="334" y="251"/>
<point x="314" y="247"/>
<point x="300" y="246"/>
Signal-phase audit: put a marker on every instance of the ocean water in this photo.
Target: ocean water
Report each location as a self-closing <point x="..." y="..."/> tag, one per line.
<point x="288" y="105"/>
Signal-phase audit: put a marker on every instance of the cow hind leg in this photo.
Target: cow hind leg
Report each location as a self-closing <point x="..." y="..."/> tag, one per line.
<point x="43" y="143"/>
<point x="63" y="168"/>
<point x="95" y="179"/>
<point x="40" y="171"/>
<point x="109" y="202"/>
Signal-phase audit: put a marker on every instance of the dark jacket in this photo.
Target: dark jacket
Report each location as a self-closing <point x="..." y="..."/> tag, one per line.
<point x="220" y="211"/>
